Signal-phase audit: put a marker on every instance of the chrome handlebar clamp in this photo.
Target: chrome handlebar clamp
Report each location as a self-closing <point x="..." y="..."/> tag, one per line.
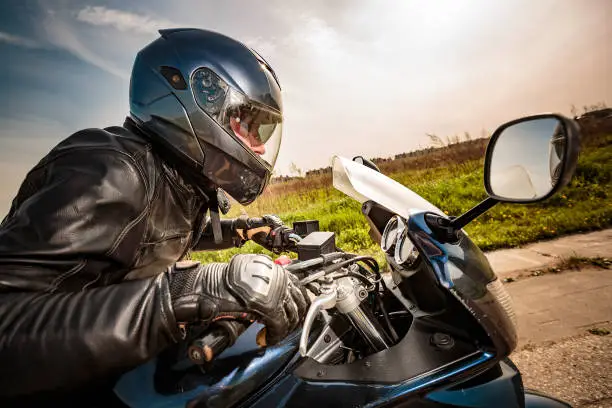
<point x="326" y="300"/>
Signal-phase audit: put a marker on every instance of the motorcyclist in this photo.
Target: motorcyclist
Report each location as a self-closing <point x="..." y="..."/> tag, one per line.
<point x="90" y="286"/>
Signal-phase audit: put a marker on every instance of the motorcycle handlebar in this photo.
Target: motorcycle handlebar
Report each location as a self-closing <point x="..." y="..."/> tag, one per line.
<point x="248" y="223"/>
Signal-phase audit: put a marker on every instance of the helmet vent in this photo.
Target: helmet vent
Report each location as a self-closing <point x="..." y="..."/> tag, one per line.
<point x="174" y="77"/>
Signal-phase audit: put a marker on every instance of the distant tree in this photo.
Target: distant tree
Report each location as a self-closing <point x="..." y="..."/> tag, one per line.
<point x="574" y="111"/>
<point x="435" y="139"/>
<point x="294" y="169"/>
<point x="594" y="107"/>
<point x="452" y="140"/>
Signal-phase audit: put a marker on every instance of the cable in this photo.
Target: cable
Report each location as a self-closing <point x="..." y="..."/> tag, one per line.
<point x="339" y="265"/>
<point x="387" y="320"/>
<point x="313" y="289"/>
<point x="378" y="276"/>
<point x="373" y="264"/>
<point x="375" y="268"/>
<point x="363" y="279"/>
<point x="299" y="266"/>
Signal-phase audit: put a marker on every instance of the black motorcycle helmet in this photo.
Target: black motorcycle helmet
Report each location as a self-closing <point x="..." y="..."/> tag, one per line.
<point x="215" y="104"/>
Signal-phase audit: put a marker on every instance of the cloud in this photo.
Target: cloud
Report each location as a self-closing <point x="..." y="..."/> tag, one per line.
<point x="122" y="20"/>
<point x="23" y="142"/>
<point x="20" y="41"/>
<point x="61" y="35"/>
<point x="264" y="46"/>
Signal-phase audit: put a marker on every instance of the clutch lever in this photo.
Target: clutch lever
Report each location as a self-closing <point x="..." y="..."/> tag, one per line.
<point x="326" y="300"/>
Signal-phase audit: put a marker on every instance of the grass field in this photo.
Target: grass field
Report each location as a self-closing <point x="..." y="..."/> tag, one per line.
<point x="453" y="186"/>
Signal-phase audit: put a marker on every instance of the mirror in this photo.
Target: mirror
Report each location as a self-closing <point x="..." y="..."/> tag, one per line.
<point x="368" y="163"/>
<point x="527" y="159"/>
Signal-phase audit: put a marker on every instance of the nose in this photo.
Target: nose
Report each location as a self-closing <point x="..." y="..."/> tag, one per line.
<point x="259" y="149"/>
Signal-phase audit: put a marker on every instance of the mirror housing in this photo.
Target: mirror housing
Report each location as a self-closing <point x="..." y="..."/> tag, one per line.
<point x="531" y="158"/>
<point x="368" y="163"/>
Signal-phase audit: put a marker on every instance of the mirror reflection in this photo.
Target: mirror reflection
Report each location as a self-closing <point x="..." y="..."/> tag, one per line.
<point x="527" y="159"/>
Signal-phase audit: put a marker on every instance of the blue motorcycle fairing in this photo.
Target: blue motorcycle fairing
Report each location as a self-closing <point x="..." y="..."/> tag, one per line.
<point x="292" y="391"/>
<point x="537" y="399"/>
<point x="507" y="385"/>
<point x="465" y="272"/>
<point x="236" y="373"/>
<point x="481" y="396"/>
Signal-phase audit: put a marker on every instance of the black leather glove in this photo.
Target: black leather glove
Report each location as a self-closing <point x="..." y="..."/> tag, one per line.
<point x="268" y="231"/>
<point x="250" y="287"/>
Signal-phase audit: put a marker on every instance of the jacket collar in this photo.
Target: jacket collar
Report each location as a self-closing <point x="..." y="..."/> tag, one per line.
<point x="182" y="179"/>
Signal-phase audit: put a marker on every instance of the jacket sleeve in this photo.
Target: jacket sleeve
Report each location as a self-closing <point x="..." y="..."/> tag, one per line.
<point x="51" y="341"/>
<point x="63" y="323"/>
<point x="231" y="239"/>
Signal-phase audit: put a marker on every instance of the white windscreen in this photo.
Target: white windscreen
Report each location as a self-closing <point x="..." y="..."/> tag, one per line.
<point x="364" y="184"/>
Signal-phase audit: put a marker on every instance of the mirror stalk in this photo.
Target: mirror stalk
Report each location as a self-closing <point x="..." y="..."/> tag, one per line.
<point x="445" y="229"/>
<point x="366" y="162"/>
<point x="472" y="213"/>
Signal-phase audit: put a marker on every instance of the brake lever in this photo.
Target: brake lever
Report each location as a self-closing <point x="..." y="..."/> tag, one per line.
<point x="326" y="300"/>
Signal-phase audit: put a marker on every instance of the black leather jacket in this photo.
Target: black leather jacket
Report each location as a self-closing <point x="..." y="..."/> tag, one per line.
<point x="82" y="254"/>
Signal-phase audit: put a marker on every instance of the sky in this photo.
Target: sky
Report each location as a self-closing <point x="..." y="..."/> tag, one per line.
<point x="358" y="77"/>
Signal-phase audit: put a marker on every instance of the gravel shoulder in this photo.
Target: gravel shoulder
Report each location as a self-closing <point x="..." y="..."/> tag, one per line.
<point x="577" y="370"/>
<point x="557" y="354"/>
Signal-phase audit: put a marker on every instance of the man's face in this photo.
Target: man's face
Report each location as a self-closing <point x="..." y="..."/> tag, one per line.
<point x="247" y="132"/>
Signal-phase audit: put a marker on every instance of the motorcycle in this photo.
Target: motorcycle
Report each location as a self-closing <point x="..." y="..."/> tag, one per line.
<point x="434" y="331"/>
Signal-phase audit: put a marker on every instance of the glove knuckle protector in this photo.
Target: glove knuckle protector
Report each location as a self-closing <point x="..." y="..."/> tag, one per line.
<point x="273" y="220"/>
<point x="257" y="281"/>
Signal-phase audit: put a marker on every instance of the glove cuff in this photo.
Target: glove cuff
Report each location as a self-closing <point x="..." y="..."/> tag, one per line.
<point x="186" y="284"/>
<point x="182" y="278"/>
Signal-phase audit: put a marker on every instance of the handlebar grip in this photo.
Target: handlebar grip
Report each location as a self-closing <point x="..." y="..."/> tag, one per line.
<point x="244" y="223"/>
<point x="261" y="338"/>
<point x="247" y="227"/>
<point x="216" y="339"/>
<point x="266" y="230"/>
<point x="257" y="222"/>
